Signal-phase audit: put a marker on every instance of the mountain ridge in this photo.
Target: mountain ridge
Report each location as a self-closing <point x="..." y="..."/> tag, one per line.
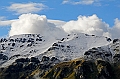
<point x="28" y="45"/>
<point x="40" y="56"/>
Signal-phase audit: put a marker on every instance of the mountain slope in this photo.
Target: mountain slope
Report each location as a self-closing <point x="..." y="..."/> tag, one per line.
<point x="74" y="45"/>
<point x="74" y="56"/>
<point x="75" y="69"/>
<point x="67" y="47"/>
<point x="25" y="46"/>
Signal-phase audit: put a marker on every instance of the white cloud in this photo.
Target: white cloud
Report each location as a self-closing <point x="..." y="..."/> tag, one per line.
<point x="115" y="30"/>
<point x="117" y="23"/>
<point x="84" y="2"/>
<point x="58" y="23"/>
<point x="94" y="26"/>
<point x="34" y="24"/>
<point x="87" y="24"/>
<point x="21" y="8"/>
<point x="6" y="23"/>
<point x="65" y="1"/>
<point x="2" y="18"/>
<point x="88" y="2"/>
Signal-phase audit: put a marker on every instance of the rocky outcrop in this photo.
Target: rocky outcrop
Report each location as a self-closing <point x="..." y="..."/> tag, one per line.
<point x="3" y="57"/>
<point x="98" y="69"/>
<point x="98" y="53"/>
<point x="24" y="67"/>
<point x="52" y="68"/>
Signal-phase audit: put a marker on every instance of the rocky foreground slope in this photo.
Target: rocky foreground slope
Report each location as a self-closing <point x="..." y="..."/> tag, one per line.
<point x="75" y="56"/>
<point x="52" y="68"/>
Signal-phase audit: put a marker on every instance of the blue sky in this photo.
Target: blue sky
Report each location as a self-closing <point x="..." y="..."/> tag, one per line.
<point x="65" y="10"/>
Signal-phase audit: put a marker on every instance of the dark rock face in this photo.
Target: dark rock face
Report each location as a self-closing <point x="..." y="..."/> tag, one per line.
<point x="98" y="53"/>
<point x="109" y="39"/>
<point x="90" y="69"/>
<point x="116" y="58"/>
<point x="44" y="58"/>
<point x="47" y="63"/>
<point x="26" y="68"/>
<point x="23" y="68"/>
<point x="115" y="40"/>
<point x="96" y="64"/>
<point x="20" y="69"/>
<point x="105" y="70"/>
<point x="3" y="57"/>
<point x="53" y="59"/>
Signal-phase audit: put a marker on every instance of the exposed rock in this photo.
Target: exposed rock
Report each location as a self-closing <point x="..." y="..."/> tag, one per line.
<point x="115" y="40"/>
<point x="98" y="69"/>
<point x="3" y="57"/>
<point x="98" y="53"/>
<point x="44" y="58"/>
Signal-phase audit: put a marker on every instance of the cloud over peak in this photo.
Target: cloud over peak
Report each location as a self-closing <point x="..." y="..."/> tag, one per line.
<point x="21" y="8"/>
<point x="34" y="24"/>
<point x="39" y="24"/>
<point x="87" y="24"/>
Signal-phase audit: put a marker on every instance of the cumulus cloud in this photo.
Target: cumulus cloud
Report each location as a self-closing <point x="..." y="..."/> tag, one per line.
<point x="34" y="24"/>
<point x="87" y="24"/>
<point x="117" y="23"/>
<point x="94" y="26"/>
<point x="115" y="30"/>
<point x="39" y="24"/>
<point x="58" y="23"/>
<point x="21" y="8"/>
<point x="84" y="2"/>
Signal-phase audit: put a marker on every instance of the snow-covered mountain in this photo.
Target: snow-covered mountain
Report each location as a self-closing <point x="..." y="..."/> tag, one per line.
<point x="25" y="46"/>
<point x="74" y="45"/>
<point x="65" y="47"/>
